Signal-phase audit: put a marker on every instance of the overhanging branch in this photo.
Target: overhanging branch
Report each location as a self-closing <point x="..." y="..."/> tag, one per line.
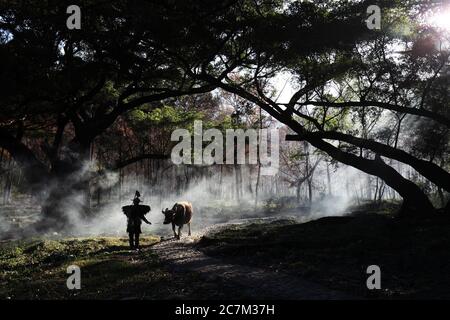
<point x="388" y="106"/>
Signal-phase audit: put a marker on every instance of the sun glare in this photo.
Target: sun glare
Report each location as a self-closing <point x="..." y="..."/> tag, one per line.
<point x="441" y="19"/>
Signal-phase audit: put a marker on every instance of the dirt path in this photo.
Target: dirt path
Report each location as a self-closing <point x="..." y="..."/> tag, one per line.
<point x="247" y="282"/>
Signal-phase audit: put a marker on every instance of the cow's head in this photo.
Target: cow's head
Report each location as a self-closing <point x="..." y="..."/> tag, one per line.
<point x="168" y="216"/>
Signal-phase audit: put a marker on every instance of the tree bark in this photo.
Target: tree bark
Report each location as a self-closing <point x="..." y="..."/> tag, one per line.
<point x="415" y="202"/>
<point x="440" y="118"/>
<point x="429" y="170"/>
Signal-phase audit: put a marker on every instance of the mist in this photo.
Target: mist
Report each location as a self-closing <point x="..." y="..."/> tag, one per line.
<point x="219" y="194"/>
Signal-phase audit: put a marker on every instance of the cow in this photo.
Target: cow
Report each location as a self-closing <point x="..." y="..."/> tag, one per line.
<point x="179" y="215"/>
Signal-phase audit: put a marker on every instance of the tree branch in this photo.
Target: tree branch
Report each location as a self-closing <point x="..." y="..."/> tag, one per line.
<point x="431" y="171"/>
<point x="357" y="104"/>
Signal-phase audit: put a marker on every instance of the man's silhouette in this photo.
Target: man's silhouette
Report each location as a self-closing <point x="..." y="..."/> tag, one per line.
<point x="135" y="215"/>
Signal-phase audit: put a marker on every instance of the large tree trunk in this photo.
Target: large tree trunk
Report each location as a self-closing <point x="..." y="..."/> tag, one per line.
<point x="430" y="170"/>
<point x="415" y="201"/>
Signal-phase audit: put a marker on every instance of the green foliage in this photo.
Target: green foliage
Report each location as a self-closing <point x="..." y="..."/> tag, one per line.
<point x="166" y="116"/>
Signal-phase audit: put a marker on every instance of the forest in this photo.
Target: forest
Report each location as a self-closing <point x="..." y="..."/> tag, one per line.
<point x="362" y="116"/>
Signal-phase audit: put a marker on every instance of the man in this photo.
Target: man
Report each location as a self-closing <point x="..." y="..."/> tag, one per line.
<point x="135" y="215"/>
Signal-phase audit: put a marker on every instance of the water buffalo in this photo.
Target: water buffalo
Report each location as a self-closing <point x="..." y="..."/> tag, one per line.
<point x="179" y="215"/>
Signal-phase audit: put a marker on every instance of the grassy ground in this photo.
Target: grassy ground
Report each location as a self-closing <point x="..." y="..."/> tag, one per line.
<point x="335" y="251"/>
<point x="36" y="269"/>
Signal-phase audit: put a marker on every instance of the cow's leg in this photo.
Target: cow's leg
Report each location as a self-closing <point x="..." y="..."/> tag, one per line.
<point x="179" y="231"/>
<point x="189" y="225"/>
<point x="173" y="229"/>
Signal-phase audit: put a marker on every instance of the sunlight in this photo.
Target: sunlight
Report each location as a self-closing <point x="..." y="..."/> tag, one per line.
<point x="441" y="19"/>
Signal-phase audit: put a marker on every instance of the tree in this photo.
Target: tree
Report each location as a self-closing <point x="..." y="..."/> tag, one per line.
<point x="65" y="88"/>
<point x="298" y="167"/>
<point x="335" y="58"/>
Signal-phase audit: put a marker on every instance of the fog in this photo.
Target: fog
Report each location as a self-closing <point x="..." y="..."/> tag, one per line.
<point x="213" y="193"/>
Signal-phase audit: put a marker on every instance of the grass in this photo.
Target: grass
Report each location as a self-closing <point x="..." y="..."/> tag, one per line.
<point x="336" y="251"/>
<point x="36" y="269"/>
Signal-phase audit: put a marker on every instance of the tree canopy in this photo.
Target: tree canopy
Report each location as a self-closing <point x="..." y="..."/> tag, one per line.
<point x="364" y="97"/>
